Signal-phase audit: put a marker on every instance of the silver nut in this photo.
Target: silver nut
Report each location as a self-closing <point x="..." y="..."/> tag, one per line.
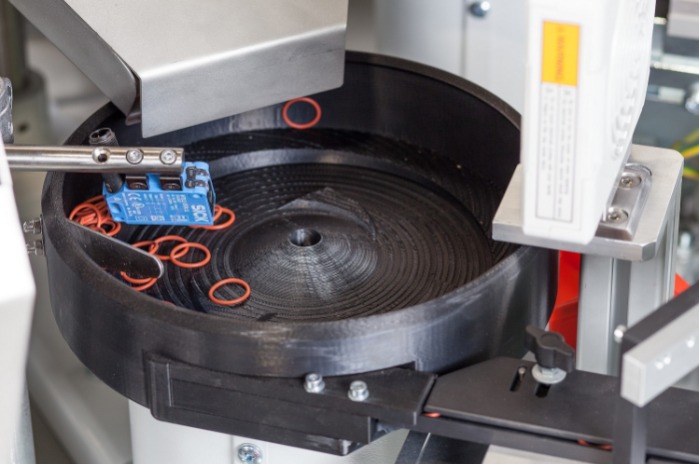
<point x="358" y="391"/>
<point x="100" y="155"/>
<point x="314" y="383"/>
<point x="35" y="247"/>
<point x="168" y="156"/>
<point x="480" y="9"/>
<point x="249" y="454"/>
<point x="134" y="156"/>
<point x="32" y="226"/>
<point x="619" y="333"/>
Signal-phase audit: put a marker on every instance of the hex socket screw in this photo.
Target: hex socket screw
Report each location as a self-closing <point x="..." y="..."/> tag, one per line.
<point x="249" y="454"/>
<point x="616" y="215"/>
<point x="358" y="391"/>
<point x="168" y="157"/>
<point x="134" y="156"/>
<point x="629" y="181"/>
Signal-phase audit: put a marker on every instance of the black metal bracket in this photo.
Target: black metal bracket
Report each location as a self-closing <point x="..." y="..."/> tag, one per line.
<point x="280" y="410"/>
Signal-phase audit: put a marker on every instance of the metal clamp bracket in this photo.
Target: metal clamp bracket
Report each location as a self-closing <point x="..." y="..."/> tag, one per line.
<point x="635" y="223"/>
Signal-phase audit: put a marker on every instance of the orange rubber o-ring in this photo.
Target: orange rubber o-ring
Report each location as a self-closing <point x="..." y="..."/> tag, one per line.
<point x="135" y="281"/>
<point x="116" y="227"/>
<point x="83" y="206"/>
<point x="103" y="208"/>
<point x="432" y="415"/>
<point x="162" y="239"/>
<point x="217" y="212"/>
<point x="601" y="446"/>
<point x="141" y="281"/>
<point x="87" y="220"/>
<point x="221" y="226"/>
<point x="153" y="245"/>
<point x="310" y="124"/>
<point x="145" y="286"/>
<point x="232" y="302"/>
<point x="174" y="257"/>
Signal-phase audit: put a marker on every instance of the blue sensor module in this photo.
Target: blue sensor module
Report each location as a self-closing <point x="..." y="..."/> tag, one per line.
<point x="187" y="199"/>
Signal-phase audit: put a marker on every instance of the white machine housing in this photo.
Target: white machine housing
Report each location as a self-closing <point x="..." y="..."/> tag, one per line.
<point x="16" y="305"/>
<point x="586" y="81"/>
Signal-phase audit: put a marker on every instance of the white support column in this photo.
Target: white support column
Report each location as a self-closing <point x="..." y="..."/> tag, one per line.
<point x="16" y="305"/>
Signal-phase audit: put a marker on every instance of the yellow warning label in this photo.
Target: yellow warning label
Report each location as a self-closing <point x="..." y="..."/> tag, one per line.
<point x="561" y="53"/>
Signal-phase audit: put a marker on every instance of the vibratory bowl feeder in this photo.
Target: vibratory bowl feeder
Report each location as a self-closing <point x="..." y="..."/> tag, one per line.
<point x="366" y="244"/>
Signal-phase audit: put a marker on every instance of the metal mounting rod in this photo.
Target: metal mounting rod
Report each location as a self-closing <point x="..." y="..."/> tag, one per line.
<point x="96" y="159"/>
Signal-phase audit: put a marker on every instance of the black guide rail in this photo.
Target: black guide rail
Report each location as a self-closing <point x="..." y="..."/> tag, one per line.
<point x="494" y="403"/>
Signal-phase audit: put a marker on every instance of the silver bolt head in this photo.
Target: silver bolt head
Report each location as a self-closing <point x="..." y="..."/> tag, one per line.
<point x="691" y="102"/>
<point x="629" y="181"/>
<point x="134" y="156"/>
<point x="692" y="105"/>
<point x="358" y="391"/>
<point x="616" y="215"/>
<point x="619" y="333"/>
<point x="168" y="156"/>
<point x="314" y="383"/>
<point x="249" y="454"/>
<point x="686" y="240"/>
<point x="480" y="9"/>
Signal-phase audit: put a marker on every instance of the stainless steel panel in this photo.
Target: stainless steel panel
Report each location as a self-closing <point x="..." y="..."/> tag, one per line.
<point x="199" y="60"/>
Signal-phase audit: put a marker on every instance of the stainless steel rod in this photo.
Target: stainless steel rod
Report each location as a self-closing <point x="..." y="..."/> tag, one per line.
<point x="96" y="159"/>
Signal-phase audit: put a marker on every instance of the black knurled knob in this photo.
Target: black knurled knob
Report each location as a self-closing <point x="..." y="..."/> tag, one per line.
<point x="550" y="349"/>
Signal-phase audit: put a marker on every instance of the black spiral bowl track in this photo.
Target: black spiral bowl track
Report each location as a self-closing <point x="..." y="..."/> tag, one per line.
<point x="365" y="240"/>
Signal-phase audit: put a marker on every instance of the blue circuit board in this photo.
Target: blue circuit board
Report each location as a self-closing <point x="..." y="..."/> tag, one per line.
<point x="159" y="200"/>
